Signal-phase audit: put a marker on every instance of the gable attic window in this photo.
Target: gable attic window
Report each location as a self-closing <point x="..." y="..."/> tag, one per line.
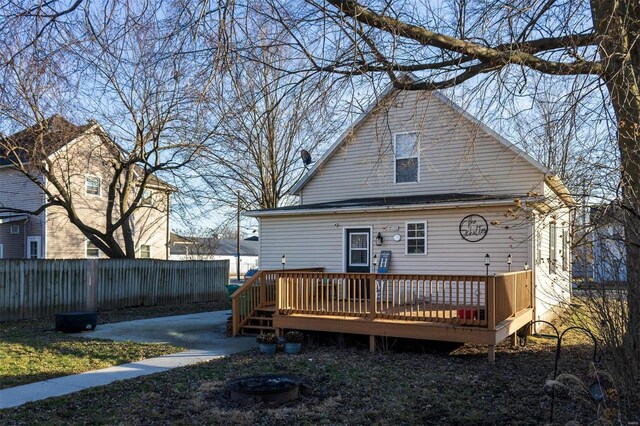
<point x="92" y="185"/>
<point x="407" y="159"/>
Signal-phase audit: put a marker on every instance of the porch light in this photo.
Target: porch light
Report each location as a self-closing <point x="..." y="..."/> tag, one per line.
<point x="283" y="261"/>
<point x="487" y="262"/>
<point x="509" y="261"/>
<point x="379" y="239"/>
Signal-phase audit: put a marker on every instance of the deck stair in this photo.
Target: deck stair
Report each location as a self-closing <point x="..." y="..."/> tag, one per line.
<point x="261" y="321"/>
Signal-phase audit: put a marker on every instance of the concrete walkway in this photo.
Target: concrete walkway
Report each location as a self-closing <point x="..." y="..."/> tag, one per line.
<point x="204" y="334"/>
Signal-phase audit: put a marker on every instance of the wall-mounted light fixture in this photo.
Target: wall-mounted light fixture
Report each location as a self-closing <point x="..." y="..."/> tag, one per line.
<point x="283" y="261"/>
<point x="379" y="239"/>
<point x="487" y="262"/>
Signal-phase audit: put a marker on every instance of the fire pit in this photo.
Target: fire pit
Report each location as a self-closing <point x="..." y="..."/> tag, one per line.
<point x="265" y="388"/>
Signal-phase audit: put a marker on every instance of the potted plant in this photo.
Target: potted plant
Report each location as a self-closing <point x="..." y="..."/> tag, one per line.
<point x="268" y="342"/>
<point x="293" y="342"/>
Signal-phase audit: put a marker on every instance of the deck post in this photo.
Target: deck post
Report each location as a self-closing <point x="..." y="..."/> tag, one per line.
<point x="514" y="340"/>
<point x="372" y="343"/>
<point x="492" y="354"/>
<point x="491" y="299"/>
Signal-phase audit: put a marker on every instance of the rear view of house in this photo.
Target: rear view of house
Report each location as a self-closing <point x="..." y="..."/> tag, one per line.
<point x="421" y="204"/>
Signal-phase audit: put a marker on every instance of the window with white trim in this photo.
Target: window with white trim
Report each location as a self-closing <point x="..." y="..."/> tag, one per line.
<point x="145" y="251"/>
<point x="92" y="185"/>
<point x="416" y="239"/>
<point x="91" y="251"/>
<point x="33" y="247"/>
<point x="1" y="251"/>
<point x="147" y="198"/>
<point x="407" y="158"/>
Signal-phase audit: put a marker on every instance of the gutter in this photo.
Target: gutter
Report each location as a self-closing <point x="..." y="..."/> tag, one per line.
<point x="396" y="208"/>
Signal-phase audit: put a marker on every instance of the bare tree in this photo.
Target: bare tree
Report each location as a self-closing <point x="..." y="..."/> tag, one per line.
<point x="265" y="117"/>
<point x="124" y="64"/>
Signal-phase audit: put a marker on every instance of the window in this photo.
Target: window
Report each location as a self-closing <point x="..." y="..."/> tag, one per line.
<point x="14" y="230"/>
<point x="147" y="198"/>
<point x="90" y="250"/>
<point x="407" y="160"/>
<point x="417" y="238"/>
<point x="1" y="251"/>
<point x="145" y="252"/>
<point x="33" y="247"/>
<point x="92" y="185"/>
<point x="552" y="248"/>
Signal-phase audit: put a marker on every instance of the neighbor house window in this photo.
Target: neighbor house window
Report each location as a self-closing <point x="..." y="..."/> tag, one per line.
<point x="1" y="251"/>
<point x="91" y="250"/>
<point x="416" y="238"/>
<point x="145" y="252"/>
<point x="553" y="236"/>
<point x="92" y="185"/>
<point x="407" y="159"/>
<point x="147" y="198"/>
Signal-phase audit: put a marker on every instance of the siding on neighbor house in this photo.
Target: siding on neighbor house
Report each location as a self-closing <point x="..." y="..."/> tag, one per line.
<point x="18" y="192"/>
<point x="316" y="240"/>
<point x="456" y="155"/>
<point x="89" y="156"/>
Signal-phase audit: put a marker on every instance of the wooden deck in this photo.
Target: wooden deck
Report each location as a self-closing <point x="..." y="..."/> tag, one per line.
<point x="458" y="308"/>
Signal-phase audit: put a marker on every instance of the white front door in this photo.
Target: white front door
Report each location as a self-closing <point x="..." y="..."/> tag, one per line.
<point x="33" y="248"/>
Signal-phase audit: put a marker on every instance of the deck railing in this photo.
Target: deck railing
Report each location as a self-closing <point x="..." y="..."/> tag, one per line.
<point x="460" y="299"/>
<point x="258" y="292"/>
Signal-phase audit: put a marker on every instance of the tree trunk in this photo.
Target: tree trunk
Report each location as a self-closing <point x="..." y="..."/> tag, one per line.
<point x="619" y="23"/>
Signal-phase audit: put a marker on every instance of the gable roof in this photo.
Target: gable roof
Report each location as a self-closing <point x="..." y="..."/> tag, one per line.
<point x="212" y="246"/>
<point x="54" y="133"/>
<point x="557" y="186"/>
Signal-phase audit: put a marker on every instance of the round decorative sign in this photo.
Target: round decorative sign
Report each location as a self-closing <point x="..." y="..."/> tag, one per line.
<point x="473" y="228"/>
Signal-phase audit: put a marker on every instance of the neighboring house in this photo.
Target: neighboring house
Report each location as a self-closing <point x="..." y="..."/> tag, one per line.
<point x="211" y="248"/>
<point x="600" y="256"/>
<point x="420" y="180"/>
<point x="79" y="156"/>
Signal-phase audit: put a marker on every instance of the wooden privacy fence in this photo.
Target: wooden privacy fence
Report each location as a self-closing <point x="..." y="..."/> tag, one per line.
<point x="39" y="288"/>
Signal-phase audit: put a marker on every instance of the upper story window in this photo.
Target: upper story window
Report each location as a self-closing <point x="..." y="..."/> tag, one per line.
<point x="91" y="250"/>
<point x="147" y="198"/>
<point x="145" y="252"/>
<point x="92" y="185"/>
<point x="407" y="158"/>
<point x="416" y="238"/>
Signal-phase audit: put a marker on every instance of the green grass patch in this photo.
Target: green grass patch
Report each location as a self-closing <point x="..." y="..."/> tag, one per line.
<point x="350" y="385"/>
<point x="30" y="352"/>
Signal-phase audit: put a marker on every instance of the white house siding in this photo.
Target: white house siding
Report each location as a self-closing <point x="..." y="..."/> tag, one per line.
<point x="317" y="241"/>
<point x="553" y="288"/>
<point x="18" y="192"/>
<point x="456" y="155"/>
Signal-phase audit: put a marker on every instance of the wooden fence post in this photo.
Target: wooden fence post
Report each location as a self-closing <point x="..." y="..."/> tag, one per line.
<point x="91" y="284"/>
